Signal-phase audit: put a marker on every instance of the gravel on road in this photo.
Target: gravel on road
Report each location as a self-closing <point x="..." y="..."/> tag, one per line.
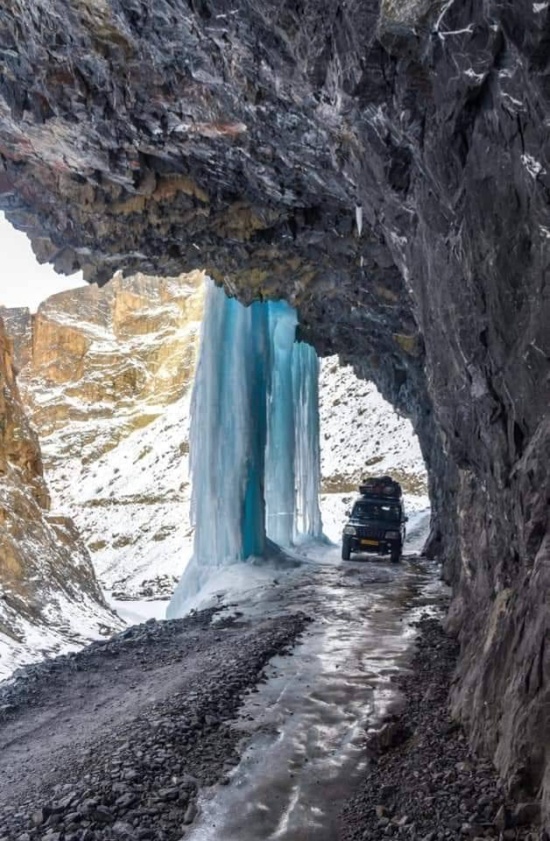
<point x="114" y="742"/>
<point x="423" y="782"/>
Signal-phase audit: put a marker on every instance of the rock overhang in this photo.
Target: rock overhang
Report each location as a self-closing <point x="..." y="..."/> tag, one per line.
<point x="180" y="138"/>
<point x="206" y="136"/>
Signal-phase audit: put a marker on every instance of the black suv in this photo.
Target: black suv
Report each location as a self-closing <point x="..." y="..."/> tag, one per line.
<point x="377" y="521"/>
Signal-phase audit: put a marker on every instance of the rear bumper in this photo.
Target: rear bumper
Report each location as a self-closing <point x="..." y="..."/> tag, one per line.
<point x="380" y="547"/>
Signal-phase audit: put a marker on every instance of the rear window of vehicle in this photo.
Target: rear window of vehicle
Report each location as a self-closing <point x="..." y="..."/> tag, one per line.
<point x="375" y="511"/>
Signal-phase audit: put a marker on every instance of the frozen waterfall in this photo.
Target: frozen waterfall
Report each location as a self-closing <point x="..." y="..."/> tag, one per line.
<point x="254" y="440"/>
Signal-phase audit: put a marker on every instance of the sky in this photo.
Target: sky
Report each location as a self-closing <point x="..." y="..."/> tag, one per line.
<point x="23" y="282"/>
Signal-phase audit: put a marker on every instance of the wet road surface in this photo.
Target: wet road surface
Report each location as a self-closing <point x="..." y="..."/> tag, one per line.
<point x="306" y="725"/>
<point x="271" y="696"/>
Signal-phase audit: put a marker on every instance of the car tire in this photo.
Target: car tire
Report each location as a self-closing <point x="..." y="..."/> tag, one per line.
<point x="346" y="550"/>
<point x="396" y="556"/>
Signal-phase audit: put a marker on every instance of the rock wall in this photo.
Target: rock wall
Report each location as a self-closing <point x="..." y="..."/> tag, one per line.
<point x="50" y="597"/>
<point x="95" y="364"/>
<point x="384" y="166"/>
<point x="105" y="377"/>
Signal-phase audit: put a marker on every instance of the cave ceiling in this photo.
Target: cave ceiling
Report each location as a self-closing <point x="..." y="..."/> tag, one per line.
<point x="347" y="156"/>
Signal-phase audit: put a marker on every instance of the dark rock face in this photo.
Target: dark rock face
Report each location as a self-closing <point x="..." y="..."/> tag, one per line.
<point x="243" y="137"/>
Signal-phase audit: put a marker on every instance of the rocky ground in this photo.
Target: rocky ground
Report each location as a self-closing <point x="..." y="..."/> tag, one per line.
<point x="115" y="741"/>
<point x="423" y="781"/>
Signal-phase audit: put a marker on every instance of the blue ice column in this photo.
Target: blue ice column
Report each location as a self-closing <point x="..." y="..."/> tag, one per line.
<point x="227" y="440"/>
<point x="254" y="436"/>
<point x="280" y="479"/>
<point x="293" y="461"/>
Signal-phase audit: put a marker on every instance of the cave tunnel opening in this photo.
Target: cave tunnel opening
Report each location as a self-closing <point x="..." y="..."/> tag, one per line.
<point x="360" y="432"/>
<point x="240" y="141"/>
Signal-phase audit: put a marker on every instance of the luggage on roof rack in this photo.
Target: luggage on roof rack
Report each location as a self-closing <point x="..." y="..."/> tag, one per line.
<point x="382" y="486"/>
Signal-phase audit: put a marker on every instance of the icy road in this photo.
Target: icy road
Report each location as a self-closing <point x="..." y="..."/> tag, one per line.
<point x="305" y="727"/>
<point x="243" y="724"/>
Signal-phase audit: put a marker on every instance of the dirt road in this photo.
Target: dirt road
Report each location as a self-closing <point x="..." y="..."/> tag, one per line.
<point x="233" y="725"/>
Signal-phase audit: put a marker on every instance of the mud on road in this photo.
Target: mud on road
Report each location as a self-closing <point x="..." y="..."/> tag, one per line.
<point x="115" y="741"/>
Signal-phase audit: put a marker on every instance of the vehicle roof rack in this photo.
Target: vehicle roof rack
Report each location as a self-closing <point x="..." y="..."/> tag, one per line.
<point x="383" y="487"/>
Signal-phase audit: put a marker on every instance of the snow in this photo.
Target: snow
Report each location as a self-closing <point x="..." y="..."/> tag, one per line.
<point x="73" y="624"/>
<point x="234" y="583"/>
<point x="137" y="611"/>
<point x="512" y="100"/>
<point x="132" y="504"/>
<point x="359" y="219"/>
<point x="533" y="167"/>
<point x="476" y="77"/>
<point x="361" y="435"/>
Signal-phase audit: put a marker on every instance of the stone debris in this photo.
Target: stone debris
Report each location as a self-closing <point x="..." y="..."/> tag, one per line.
<point x="423" y="782"/>
<point x="138" y="779"/>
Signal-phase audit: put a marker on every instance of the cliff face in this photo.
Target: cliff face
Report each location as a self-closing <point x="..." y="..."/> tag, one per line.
<point x="94" y="364"/>
<point x="105" y="376"/>
<point x="50" y="597"/>
<point x="383" y="166"/>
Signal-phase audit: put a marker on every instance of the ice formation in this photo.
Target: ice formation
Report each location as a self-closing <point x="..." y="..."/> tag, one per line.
<point x="280" y="449"/>
<point x="307" y="442"/>
<point x="254" y="441"/>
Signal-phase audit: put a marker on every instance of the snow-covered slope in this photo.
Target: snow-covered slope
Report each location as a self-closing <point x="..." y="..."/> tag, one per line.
<point x="50" y="600"/>
<point x="52" y="603"/>
<point x="106" y="375"/>
<point x="132" y="505"/>
<point x="361" y="434"/>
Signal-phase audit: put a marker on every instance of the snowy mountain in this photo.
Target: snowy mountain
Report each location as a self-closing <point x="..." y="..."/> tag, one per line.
<point x="132" y="505"/>
<point x="105" y="375"/>
<point x="362" y="435"/>
<point x="50" y="600"/>
<point x="95" y="364"/>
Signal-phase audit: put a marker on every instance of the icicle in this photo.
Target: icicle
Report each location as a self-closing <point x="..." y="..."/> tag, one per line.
<point x="280" y="481"/>
<point x="359" y="219"/>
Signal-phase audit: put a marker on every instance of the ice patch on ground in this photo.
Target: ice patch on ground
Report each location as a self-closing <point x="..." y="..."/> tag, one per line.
<point x="137" y="611"/>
